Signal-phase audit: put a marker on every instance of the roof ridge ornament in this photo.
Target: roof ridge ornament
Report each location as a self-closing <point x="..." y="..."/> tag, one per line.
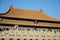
<point x="11" y="7"/>
<point x="41" y="10"/>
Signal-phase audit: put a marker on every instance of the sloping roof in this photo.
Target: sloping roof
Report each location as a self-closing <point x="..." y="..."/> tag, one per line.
<point x="28" y="14"/>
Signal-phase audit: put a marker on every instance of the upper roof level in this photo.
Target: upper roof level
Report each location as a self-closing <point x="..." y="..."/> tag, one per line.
<point x="27" y="14"/>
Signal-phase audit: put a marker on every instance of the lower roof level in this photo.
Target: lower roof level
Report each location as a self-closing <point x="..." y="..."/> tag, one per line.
<point x="30" y="24"/>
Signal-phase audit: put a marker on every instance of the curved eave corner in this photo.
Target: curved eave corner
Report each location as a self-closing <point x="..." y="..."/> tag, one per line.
<point x="48" y="18"/>
<point x="8" y="12"/>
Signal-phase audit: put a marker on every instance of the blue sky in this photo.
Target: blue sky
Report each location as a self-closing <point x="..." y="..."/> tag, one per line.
<point x="49" y="7"/>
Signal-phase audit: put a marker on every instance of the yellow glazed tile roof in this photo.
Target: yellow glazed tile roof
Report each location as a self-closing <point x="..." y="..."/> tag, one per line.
<point x="28" y="14"/>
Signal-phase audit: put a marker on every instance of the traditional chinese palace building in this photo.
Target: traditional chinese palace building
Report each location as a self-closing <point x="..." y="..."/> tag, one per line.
<point x="18" y="24"/>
